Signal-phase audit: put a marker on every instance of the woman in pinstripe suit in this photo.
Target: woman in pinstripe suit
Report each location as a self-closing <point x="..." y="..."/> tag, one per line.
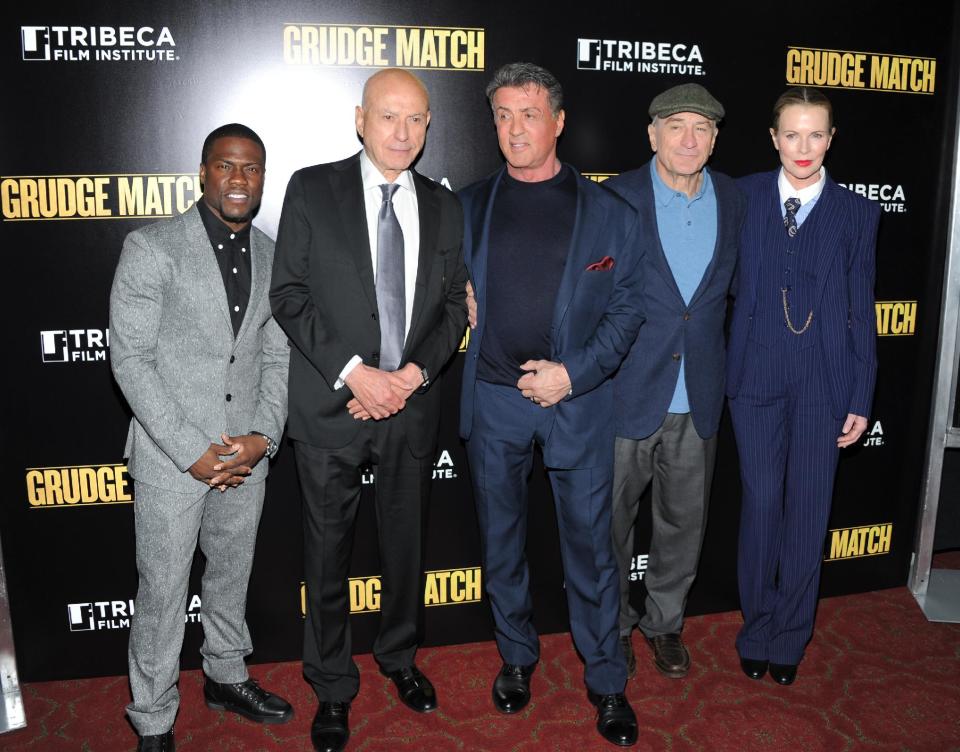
<point x="800" y="374"/>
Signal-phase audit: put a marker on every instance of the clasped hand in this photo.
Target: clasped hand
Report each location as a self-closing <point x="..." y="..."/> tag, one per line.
<point x="545" y="382"/>
<point x="244" y="452"/>
<point x="379" y="394"/>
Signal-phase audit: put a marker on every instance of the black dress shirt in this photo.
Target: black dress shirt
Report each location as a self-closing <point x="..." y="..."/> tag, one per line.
<point x="232" y="250"/>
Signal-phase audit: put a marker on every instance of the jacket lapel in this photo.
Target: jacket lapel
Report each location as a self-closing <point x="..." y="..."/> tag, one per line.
<point x="827" y="230"/>
<point x="204" y="264"/>
<point x="648" y="211"/>
<point x="769" y="221"/>
<point x="476" y="254"/>
<point x="347" y="186"/>
<point x="589" y="217"/>
<point x="428" y="209"/>
<point x="722" y="214"/>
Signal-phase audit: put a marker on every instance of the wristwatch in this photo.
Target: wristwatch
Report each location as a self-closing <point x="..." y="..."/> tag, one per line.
<point x="271" y="444"/>
<point x="424" y="375"/>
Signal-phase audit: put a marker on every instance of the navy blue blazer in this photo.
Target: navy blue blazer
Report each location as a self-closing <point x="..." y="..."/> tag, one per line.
<point x="595" y="318"/>
<point x="843" y="304"/>
<point x="644" y="386"/>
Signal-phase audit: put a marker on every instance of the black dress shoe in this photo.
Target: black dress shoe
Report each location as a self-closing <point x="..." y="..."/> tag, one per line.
<point x="753" y="668"/>
<point x="669" y="655"/>
<point x="157" y="743"/>
<point x="248" y="699"/>
<point x="616" y="721"/>
<point x="511" y="688"/>
<point x="783" y="673"/>
<point x="414" y="689"/>
<point x="330" y="730"/>
<point x="626" y="647"/>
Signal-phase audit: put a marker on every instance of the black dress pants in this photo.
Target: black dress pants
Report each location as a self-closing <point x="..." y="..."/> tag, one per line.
<point x="330" y="482"/>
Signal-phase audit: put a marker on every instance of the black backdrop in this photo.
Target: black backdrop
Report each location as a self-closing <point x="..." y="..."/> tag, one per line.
<point x="105" y="109"/>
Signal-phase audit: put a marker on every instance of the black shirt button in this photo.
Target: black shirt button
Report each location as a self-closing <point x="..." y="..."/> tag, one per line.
<point x="229" y="397"/>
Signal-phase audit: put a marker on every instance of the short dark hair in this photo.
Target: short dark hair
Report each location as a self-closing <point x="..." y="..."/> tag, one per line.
<point x="237" y="130"/>
<point x="525" y="74"/>
<point x="803" y="95"/>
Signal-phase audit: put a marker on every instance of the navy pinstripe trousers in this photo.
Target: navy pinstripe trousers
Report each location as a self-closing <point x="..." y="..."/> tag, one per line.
<point x="787" y="441"/>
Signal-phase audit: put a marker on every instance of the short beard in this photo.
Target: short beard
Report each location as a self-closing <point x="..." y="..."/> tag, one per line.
<point x="247" y="217"/>
<point x="238" y="220"/>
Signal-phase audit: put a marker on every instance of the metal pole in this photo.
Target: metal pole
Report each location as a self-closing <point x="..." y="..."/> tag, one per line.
<point x="12" y="715"/>
<point x="938" y="591"/>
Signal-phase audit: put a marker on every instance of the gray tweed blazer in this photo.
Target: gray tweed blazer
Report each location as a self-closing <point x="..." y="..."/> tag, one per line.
<point x="175" y="358"/>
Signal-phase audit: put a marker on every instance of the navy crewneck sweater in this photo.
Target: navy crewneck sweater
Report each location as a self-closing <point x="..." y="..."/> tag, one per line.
<point x="531" y="227"/>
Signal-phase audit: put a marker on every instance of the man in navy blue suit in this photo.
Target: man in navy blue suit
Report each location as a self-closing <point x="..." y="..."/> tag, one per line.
<point x="669" y="392"/>
<point x="557" y="282"/>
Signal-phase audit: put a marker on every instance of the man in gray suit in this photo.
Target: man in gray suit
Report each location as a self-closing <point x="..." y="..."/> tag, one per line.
<point x="203" y="366"/>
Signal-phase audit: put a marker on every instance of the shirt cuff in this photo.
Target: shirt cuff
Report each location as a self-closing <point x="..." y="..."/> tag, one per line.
<point x="351" y="364"/>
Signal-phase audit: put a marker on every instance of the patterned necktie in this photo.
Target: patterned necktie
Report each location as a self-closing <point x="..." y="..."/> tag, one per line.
<point x="391" y="302"/>
<point x="790" y="218"/>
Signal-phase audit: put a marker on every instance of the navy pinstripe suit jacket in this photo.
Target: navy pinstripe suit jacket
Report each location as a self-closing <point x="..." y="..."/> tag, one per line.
<point x="843" y="303"/>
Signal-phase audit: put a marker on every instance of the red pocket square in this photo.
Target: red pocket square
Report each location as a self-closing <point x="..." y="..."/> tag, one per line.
<point x="603" y="265"/>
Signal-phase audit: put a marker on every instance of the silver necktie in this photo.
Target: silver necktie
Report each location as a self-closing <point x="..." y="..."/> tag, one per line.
<point x="391" y="301"/>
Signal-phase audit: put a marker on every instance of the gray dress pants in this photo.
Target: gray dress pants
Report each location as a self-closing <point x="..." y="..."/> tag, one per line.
<point x="680" y="465"/>
<point x="168" y="527"/>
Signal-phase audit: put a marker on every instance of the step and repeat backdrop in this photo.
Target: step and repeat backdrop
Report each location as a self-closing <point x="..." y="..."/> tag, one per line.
<point x="105" y="110"/>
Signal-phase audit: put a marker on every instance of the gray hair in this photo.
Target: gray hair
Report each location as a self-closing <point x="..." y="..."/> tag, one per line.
<point x="526" y="74"/>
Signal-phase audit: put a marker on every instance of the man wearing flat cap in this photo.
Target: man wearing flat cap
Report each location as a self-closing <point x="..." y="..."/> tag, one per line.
<point x="668" y="394"/>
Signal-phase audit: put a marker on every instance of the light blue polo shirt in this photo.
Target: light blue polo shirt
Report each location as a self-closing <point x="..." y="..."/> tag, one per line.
<point x="688" y="234"/>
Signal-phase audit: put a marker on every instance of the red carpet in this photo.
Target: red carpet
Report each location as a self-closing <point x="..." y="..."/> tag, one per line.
<point x="877" y="677"/>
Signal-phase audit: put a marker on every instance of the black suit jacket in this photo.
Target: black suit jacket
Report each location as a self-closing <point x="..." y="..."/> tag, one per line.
<point x="323" y="296"/>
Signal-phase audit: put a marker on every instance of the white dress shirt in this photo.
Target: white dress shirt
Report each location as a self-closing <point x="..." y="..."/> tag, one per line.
<point x="808" y="196"/>
<point x="405" y="207"/>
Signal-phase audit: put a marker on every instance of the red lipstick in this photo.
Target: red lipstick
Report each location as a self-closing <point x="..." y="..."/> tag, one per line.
<point x="803" y="162"/>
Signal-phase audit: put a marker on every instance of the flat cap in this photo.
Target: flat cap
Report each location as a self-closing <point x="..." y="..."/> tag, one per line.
<point x="686" y="98"/>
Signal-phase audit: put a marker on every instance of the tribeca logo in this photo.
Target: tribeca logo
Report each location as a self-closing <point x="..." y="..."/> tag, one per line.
<point x="891" y="198"/>
<point x="74" y="345"/>
<point x="443" y="469"/>
<point x="100" y="43"/>
<point x="105" y="615"/>
<point x="89" y="617"/>
<point x="624" y="56"/>
<point x="35" y="42"/>
<point x="638" y="567"/>
<point x="874" y="437"/>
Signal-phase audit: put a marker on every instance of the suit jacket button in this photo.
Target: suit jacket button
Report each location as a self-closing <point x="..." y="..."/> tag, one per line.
<point x="676" y="356"/>
<point x="232" y="359"/>
<point x="686" y="316"/>
<point x="229" y="397"/>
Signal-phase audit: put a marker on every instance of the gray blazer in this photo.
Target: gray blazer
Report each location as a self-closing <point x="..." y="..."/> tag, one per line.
<point x="174" y="356"/>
